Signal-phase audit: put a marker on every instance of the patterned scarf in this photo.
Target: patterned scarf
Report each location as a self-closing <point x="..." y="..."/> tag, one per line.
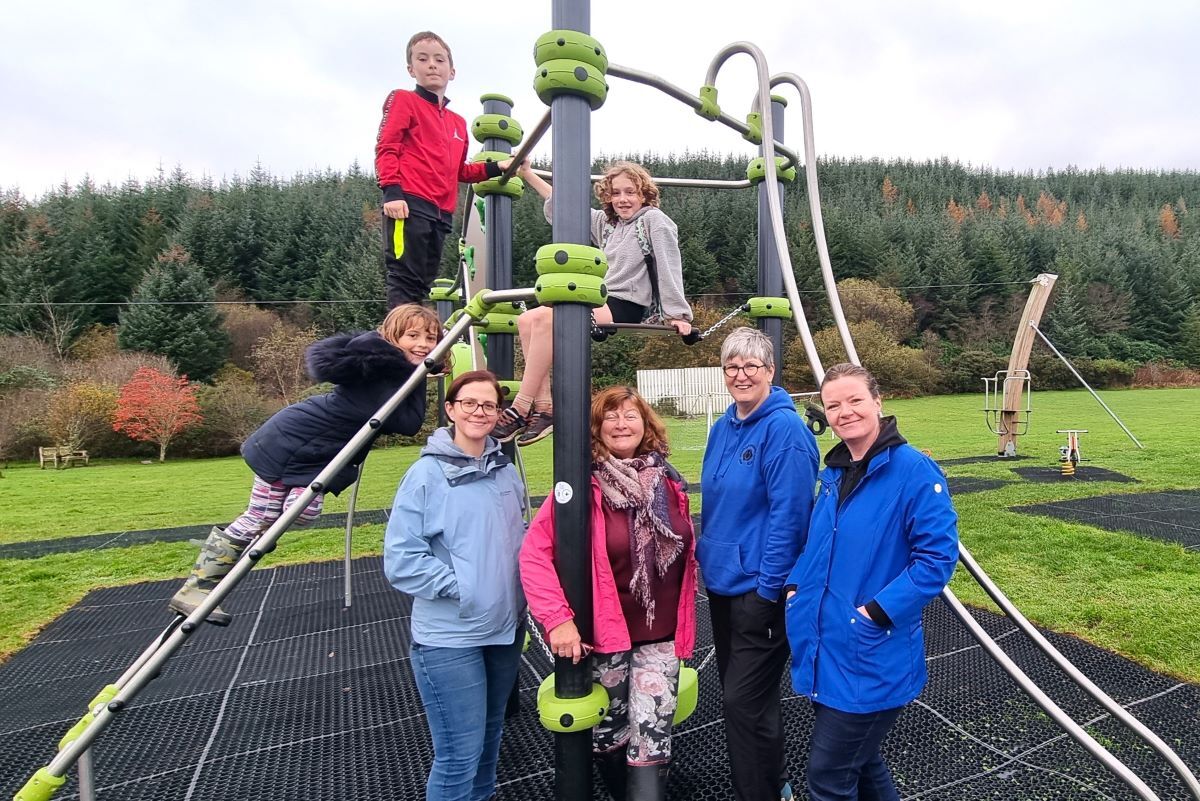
<point x="637" y="486"/>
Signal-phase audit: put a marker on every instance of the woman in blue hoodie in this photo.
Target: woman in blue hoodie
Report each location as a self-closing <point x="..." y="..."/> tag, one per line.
<point x="452" y="544"/>
<point x="882" y="544"/>
<point x="760" y="467"/>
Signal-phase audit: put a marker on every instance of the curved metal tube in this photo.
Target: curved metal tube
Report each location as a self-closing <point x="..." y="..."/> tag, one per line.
<point x="692" y="102"/>
<point x="695" y="183"/>
<point x="150" y="663"/>
<point x="529" y="144"/>
<point x="774" y="204"/>
<point x="814" y="208"/>
<point x="1077" y="676"/>
<point x="1077" y="732"/>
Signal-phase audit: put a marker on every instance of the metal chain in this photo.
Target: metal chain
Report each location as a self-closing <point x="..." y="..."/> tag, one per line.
<point x="737" y="310"/>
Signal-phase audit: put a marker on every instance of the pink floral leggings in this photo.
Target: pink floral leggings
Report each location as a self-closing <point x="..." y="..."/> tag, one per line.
<point x="643" y="691"/>
<point x="268" y="500"/>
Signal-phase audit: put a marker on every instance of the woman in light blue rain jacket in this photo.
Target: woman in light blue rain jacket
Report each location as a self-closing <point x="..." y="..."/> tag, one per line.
<point x="452" y="544"/>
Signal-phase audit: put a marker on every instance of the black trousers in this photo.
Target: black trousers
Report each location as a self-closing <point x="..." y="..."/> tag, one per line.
<point x="751" y="650"/>
<point x="412" y="254"/>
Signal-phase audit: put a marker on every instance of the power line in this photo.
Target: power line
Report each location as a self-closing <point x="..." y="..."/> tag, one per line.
<point x="33" y="303"/>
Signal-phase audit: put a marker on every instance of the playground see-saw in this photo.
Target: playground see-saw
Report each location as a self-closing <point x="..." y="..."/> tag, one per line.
<point x="308" y="695"/>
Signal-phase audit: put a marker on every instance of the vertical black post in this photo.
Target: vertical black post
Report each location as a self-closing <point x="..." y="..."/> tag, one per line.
<point x="498" y="215"/>
<point x="770" y="280"/>
<point x="571" y="495"/>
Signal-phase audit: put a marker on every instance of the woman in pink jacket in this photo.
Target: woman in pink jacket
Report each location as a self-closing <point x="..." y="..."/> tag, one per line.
<point x="643" y="592"/>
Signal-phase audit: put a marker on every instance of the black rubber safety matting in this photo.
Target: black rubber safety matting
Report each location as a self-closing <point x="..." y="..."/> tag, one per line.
<point x="1050" y="475"/>
<point x="302" y="698"/>
<point x="963" y="485"/>
<point x="986" y="458"/>
<point x="1172" y="516"/>
<point x="36" y="549"/>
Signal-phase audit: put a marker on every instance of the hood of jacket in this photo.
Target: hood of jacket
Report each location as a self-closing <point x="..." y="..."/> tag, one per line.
<point x="359" y="357"/>
<point x="458" y="466"/>
<point x="889" y="435"/>
<point x="776" y="399"/>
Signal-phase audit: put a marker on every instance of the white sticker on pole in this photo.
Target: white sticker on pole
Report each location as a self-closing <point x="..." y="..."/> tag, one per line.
<point x="563" y="492"/>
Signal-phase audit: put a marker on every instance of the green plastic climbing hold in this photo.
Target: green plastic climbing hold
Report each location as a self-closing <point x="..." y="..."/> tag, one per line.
<point x="443" y="289"/>
<point x="570" y="258"/>
<point x="42" y="785"/>
<point x="571" y="46"/>
<point x="770" y="307"/>
<point x="754" y="122"/>
<point x="566" y="76"/>
<point x="756" y="170"/>
<point x="570" y="714"/>
<point x="709" y="109"/>
<point x="571" y="288"/>
<point x="497" y="323"/>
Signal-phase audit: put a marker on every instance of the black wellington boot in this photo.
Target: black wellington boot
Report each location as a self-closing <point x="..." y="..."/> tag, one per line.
<point x="648" y="782"/>
<point x="613" y="772"/>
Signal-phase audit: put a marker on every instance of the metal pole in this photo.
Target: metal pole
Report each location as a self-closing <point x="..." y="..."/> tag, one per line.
<point x="87" y="777"/>
<point x="693" y="102"/>
<point x="770" y="271"/>
<point x="1086" y="386"/>
<point x="498" y="213"/>
<point x="531" y="140"/>
<point x="347" y="591"/>
<point x="149" y="663"/>
<point x="776" y="209"/>
<point x="571" y="391"/>
<point x="1077" y="732"/>
<point x="1076" y="675"/>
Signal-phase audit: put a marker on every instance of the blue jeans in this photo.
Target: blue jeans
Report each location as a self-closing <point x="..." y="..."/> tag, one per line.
<point x="464" y="691"/>
<point x="844" y="761"/>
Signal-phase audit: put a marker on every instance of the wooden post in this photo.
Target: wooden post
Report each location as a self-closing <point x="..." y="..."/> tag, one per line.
<point x="1018" y="362"/>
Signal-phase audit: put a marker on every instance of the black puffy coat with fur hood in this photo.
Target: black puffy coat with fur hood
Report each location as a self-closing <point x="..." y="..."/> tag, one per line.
<point x="300" y="440"/>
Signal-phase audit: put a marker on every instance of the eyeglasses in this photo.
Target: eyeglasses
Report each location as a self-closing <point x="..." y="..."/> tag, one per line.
<point x="470" y="406"/>
<point x="750" y="370"/>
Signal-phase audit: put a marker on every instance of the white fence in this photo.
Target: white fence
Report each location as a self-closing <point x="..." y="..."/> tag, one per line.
<point x="692" y="390"/>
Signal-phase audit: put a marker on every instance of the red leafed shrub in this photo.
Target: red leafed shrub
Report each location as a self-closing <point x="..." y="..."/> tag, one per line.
<point x="154" y="407"/>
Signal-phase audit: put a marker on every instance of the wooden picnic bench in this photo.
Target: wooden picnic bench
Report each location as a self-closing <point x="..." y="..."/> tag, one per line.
<point x="60" y="456"/>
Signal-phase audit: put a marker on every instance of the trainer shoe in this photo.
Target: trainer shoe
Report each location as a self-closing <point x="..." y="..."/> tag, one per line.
<point x="540" y="425"/>
<point x="509" y="424"/>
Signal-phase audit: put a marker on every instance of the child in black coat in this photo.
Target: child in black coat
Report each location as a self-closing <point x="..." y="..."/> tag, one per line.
<point x="288" y="451"/>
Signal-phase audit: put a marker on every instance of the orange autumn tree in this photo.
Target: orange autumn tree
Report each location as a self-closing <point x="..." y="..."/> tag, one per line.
<point x="154" y="407"/>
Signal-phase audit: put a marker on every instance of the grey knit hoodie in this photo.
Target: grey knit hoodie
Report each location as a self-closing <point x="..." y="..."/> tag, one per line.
<point x="627" y="277"/>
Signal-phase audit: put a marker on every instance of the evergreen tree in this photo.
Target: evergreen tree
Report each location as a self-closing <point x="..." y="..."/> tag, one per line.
<point x="173" y="315"/>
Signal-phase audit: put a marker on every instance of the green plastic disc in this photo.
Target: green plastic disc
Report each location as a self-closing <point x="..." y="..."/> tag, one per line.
<point x="756" y="170"/>
<point x="571" y="288"/>
<point x="570" y="714"/>
<point x="571" y="258"/>
<point x="497" y="126"/>
<point x="566" y="76"/>
<point x="570" y="45"/>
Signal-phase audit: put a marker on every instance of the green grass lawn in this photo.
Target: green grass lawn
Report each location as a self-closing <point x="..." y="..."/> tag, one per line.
<point x="1136" y="596"/>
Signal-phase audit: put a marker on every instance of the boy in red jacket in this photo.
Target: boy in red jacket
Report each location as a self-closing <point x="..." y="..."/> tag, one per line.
<point x="420" y="157"/>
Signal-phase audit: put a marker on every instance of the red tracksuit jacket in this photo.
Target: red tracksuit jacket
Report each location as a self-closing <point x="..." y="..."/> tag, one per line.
<point x="421" y="150"/>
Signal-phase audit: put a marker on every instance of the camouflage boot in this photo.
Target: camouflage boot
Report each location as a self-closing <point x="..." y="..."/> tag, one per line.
<point x="217" y="557"/>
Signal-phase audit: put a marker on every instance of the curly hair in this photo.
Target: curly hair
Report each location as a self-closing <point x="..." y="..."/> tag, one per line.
<point x="634" y="172"/>
<point x="654" y="437"/>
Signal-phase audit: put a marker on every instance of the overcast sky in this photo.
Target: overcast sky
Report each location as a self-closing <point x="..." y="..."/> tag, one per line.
<point x="114" y="89"/>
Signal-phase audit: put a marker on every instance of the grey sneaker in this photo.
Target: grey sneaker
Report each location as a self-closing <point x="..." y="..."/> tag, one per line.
<point x="509" y="424"/>
<point x="539" y="426"/>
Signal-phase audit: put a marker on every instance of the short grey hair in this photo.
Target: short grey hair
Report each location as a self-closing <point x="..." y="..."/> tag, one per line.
<point x="749" y="343"/>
